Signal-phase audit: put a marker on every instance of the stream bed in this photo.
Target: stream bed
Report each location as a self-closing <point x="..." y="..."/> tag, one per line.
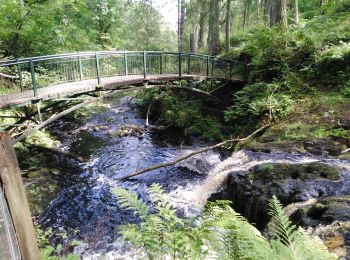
<point x="86" y="210"/>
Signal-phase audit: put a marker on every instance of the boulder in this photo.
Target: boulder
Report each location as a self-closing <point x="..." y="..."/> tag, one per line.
<point x="250" y="190"/>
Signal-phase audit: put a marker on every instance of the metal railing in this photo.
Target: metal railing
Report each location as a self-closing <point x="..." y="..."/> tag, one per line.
<point x="38" y="72"/>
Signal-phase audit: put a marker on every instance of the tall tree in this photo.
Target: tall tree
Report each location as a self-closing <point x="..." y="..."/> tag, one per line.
<point x="277" y="10"/>
<point x="181" y="23"/>
<point x="228" y="25"/>
<point x="202" y="26"/>
<point x="214" y="27"/>
<point x="295" y="7"/>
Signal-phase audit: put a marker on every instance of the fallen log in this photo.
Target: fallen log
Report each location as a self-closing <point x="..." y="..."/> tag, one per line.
<point x="6" y="76"/>
<point x="53" y="118"/>
<point x="60" y="152"/>
<point x="162" y="165"/>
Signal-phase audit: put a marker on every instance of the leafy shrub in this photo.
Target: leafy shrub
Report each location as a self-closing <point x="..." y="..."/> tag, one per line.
<point x="259" y="99"/>
<point x="183" y="111"/>
<point x="48" y="251"/>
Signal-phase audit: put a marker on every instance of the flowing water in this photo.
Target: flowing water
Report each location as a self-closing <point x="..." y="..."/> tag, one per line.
<point x="87" y="210"/>
<point x="87" y="204"/>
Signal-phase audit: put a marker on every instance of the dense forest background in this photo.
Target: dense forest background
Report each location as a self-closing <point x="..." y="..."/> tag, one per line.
<point x="33" y="27"/>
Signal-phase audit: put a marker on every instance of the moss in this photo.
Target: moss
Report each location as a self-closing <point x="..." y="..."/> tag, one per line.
<point x="86" y="144"/>
<point x="307" y="171"/>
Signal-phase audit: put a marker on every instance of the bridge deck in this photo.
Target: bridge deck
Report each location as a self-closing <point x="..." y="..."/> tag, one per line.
<point x="61" y="90"/>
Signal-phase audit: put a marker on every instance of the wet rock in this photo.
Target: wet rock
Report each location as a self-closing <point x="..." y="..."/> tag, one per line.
<point x="324" y="146"/>
<point x="250" y="190"/>
<point x="267" y="147"/>
<point x="336" y="237"/>
<point x="127" y="130"/>
<point x="86" y="144"/>
<point x="345" y="155"/>
<point x="324" y="211"/>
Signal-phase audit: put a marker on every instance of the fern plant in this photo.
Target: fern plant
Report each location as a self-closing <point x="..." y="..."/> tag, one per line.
<point x="161" y="234"/>
<point x="220" y="233"/>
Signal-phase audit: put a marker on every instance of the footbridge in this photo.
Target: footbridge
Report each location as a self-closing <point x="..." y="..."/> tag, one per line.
<point x="27" y="80"/>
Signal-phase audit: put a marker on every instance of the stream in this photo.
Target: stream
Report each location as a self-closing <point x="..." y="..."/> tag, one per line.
<point x="86" y="210"/>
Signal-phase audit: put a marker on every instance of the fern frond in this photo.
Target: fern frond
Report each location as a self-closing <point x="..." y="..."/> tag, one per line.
<point x="292" y="242"/>
<point x="130" y="201"/>
<point x="281" y="227"/>
<point x="234" y="236"/>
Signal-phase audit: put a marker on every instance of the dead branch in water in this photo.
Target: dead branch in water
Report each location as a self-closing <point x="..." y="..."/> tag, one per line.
<point x="162" y="165"/>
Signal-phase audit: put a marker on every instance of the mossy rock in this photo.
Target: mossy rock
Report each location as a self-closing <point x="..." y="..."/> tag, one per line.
<point x="250" y="190"/>
<point x="308" y="171"/>
<point x="324" y="211"/>
<point x="324" y="146"/>
<point x="287" y="146"/>
<point x="87" y="144"/>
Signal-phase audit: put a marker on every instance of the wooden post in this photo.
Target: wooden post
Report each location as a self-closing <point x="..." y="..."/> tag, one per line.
<point x="17" y="199"/>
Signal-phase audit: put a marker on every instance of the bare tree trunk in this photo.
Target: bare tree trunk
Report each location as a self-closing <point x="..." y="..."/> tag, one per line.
<point x="295" y="7"/>
<point x="277" y="10"/>
<point x="181" y="26"/>
<point x="202" y="17"/>
<point x="213" y="37"/>
<point x="193" y="42"/>
<point x="228" y="25"/>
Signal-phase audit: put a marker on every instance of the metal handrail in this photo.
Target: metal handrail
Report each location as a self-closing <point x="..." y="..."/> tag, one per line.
<point x="34" y="65"/>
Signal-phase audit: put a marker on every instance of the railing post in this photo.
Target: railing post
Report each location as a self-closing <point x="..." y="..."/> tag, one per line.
<point x="126" y="64"/>
<point x="32" y="73"/>
<point x="208" y="61"/>
<point x="161" y="63"/>
<point x="98" y="68"/>
<point x="80" y="68"/>
<point x="212" y="67"/>
<point x="144" y="65"/>
<point x="231" y="67"/>
<point x="189" y="64"/>
<point x="180" y="61"/>
<point x="20" y="74"/>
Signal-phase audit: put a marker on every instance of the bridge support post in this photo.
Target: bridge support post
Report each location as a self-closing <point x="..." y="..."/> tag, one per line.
<point x="17" y="200"/>
<point x="126" y="64"/>
<point x="32" y="73"/>
<point x="180" y="61"/>
<point x="20" y="74"/>
<point x="144" y="64"/>
<point x="98" y="74"/>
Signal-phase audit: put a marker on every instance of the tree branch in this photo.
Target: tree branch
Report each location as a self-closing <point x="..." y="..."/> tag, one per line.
<point x="162" y="165"/>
